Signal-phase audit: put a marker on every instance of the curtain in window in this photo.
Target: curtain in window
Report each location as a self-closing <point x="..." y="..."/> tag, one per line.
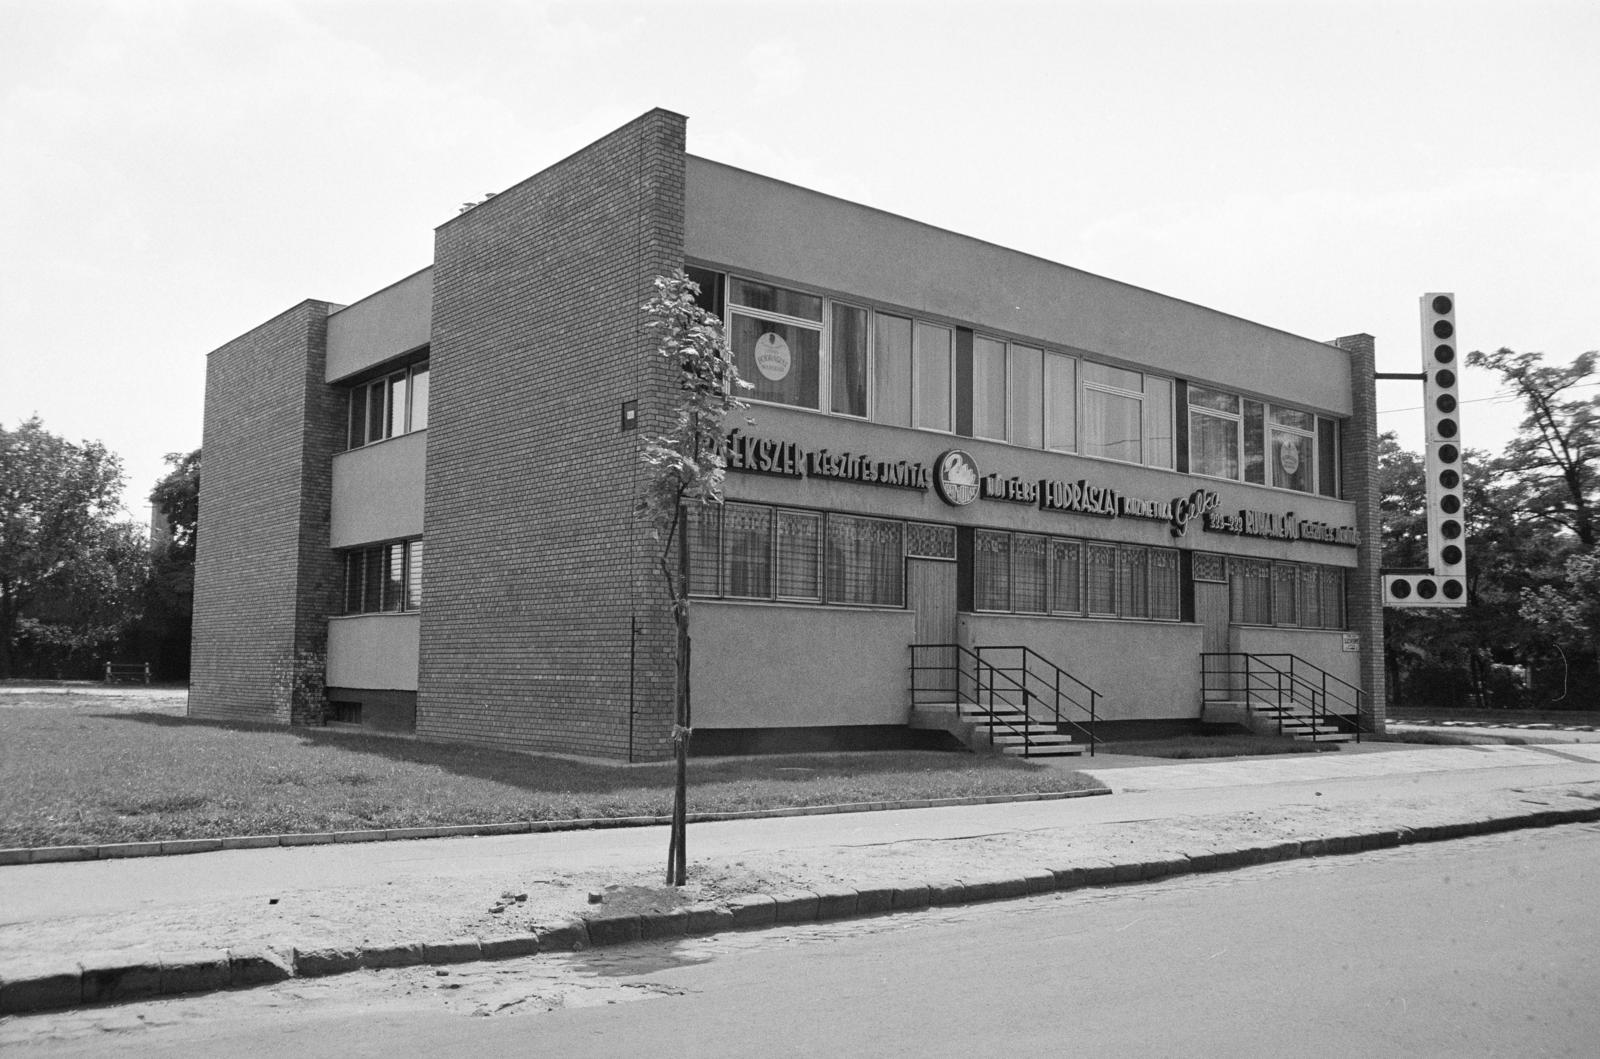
<point x="991" y="570"/>
<point x="1066" y="590"/>
<point x="1100" y="578"/>
<point x="849" y="350"/>
<point x="988" y="388"/>
<point x="1028" y="574"/>
<point x="933" y="356"/>
<point x="703" y="524"/>
<point x="1285" y="580"/>
<point x="1133" y="565"/>
<point x="1213" y="445"/>
<point x="864" y="561"/>
<point x="419" y="398"/>
<point x="372" y="580"/>
<point x="891" y="371"/>
<point x="1111" y="426"/>
<point x="799" y="555"/>
<point x="1250" y="583"/>
<point x="1310" y="597"/>
<point x="1332" y="598"/>
<point x="1166" y="602"/>
<point x="747" y="551"/>
<point x="1061" y="403"/>
<point x="1158" y="448"/>
<point x="1026" y="396"/>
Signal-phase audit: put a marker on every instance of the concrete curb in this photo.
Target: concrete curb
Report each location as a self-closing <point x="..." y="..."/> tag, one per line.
<point x="174" y="847"/>
<point x="124" y="976"/>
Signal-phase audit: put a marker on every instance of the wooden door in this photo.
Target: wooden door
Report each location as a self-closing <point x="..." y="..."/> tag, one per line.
<point x="1211" y="611"/>
<point x="931" y="595"/>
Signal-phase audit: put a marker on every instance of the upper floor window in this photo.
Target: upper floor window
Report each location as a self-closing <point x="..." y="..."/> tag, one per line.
<point x="1245" y="440"/>
<point x="807" y="351"/>
<point x="394" y="404"/>
<point x="387" y="577"/>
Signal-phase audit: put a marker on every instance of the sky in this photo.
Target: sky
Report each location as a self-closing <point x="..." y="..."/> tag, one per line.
<point x="175" y="172"/>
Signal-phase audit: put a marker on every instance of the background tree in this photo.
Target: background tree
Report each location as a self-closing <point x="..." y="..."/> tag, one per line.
<point x="1551" y="464"/>
<point x="687" y="466"/>
<point x="68" y="571"/>
<point x="163" y="631"/>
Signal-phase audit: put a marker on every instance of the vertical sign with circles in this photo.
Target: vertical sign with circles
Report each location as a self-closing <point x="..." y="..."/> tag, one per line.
<point x="1445" y="582"/>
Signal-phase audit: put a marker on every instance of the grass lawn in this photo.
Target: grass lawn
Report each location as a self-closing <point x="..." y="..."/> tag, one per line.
<point x="1203" y="746"/>
<point x="77" y="771"/>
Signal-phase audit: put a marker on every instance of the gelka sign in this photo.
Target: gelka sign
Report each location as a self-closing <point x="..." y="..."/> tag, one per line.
<point x="958" y="481"/>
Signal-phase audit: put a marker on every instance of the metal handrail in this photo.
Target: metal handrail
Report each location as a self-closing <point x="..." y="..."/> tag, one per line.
<point x="1277" y="683"/>
<point x="981" y="677"/>
<point x="1051" y="677"/>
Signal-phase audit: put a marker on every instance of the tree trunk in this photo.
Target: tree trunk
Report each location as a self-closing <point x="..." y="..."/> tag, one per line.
<point x="677" y="853"/>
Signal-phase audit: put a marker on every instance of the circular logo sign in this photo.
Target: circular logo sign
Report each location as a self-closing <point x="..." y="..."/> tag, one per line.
<point x="772" y="356"/>
<point x="955" y="476"/>
<point x="1289" y="457"/>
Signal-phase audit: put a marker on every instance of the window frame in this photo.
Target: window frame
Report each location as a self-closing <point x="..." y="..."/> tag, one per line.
<point x="395" y="595"/>
<point x="379" y="425"/>
<point x="1322" y="427"/>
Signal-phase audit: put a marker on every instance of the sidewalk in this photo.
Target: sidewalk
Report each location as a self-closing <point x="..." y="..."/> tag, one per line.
<point x="91" y="931"/>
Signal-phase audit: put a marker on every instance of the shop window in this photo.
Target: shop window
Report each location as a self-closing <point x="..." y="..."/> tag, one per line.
<point x="991" y="562"/>
<point x="1166" y="593"/>
<point x="799" y="555"/>
<point x="389" y="406"/>
<point x="1243" y="440"/>
<point x="1333" y="616"/>
<point x="1100" y="580"/>
<point x="865" y="561"/>
<point x="1066" y="572"/>
<point x="1250" y="588"/>
<point x="746" y="551"/>
<point x="780" y="358"/>
<point x="702" y="526"/>
<point x="386" y="577"/>
<point x="1028" y="574"/>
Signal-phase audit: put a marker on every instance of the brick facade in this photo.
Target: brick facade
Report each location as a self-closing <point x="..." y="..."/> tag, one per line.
<point x="265" y="578"/>
<point x="1360" y="472"/>
<point x="538" y="572"/>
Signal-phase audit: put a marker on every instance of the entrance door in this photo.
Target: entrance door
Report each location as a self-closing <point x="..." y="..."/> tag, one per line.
<point x="1211" y="611"/>
<point x="931" y="595"/>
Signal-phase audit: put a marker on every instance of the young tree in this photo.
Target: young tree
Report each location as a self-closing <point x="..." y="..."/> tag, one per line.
<point x="65" y="566"/>
<point x="687" y="465"/>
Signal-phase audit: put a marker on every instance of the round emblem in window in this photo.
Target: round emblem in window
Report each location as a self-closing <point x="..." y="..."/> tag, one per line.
<point x="956" y="478"/>
<point x="1289" y="457"/>
<point x="772" y="356"/>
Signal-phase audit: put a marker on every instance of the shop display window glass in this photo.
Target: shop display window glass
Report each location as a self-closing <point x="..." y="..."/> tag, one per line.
<point x="1066" y="587"/>
<point x="1133" y="565"/>
<point x="864" y="561"/>
<point x="991" y="570"/>
<point x="1100" y="579"/>
<point x="799" y="555"/>
<point x="747" y="551"/>
<point x="1028" y="574"/>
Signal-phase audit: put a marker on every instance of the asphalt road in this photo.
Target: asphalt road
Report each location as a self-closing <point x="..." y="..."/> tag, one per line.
<point x="1482" y="946"/>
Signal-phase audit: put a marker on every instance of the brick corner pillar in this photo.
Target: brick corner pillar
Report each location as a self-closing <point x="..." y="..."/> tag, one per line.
<point x="265" y="577"/>
<point x="1364" y="596"/>
<point x="544" y="626"/>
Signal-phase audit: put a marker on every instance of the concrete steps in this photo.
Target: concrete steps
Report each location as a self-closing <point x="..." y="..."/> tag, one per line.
<point x="1004" y="729"/>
